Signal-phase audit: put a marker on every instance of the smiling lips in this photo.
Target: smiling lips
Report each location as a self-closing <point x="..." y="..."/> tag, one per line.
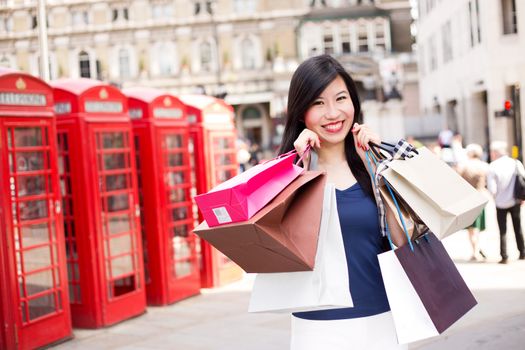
<point x="334" y="127"/>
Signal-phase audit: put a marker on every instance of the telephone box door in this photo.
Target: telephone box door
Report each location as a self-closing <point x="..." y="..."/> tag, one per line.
<point x="183" y="268"/>
<point x="35" y="239"/>
<point x="119" y="219"/>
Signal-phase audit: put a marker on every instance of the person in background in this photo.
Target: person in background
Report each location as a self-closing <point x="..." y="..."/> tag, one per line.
<point x="324" y="112"/>
<point x="474" y="171"/>
<point x="500" y="183"/>
<point x="243" y="154"/>
<point x="445" y="138"/>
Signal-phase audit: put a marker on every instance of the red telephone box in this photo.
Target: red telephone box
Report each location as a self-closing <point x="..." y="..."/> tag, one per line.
<point x="100" y="201"/>
<point x="164" y="177"/>
<point x="35" y="310"/>
<point x="214" y="160"/>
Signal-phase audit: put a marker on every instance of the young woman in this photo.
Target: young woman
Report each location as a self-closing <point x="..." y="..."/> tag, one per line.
<point x="324" y="112"/>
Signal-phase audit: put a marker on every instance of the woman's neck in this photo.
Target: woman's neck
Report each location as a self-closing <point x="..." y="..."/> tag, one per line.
<point x="330" y="155"/>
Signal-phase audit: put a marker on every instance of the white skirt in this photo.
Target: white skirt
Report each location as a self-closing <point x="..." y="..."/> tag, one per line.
<point x="367" y="333"/>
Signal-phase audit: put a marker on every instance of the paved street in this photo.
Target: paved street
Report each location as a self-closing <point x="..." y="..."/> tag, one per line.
<point x="218" y="319"/>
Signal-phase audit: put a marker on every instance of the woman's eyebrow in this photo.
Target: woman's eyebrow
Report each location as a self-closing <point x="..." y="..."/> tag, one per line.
<point x="342" y="92"/>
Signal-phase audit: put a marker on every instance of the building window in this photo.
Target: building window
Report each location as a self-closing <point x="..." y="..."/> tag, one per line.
<point x="123" y="61"/>
<point x="328" y="40"/>
<point x="433" y="54"/>
<point x="202" y="7"/>
<point x="4" y="62"/>
<point x="205" y="51"/>
<point x="446" y="35"/>
<point x="380" y="34"/>
<point x="362" y="37"/>
<point x="317" y="3"/>
<point x="345" y="39"/>
<point x="509" y="18"/>
<point x="162" y="10"/>
<point x="85" y="70"/>
<point x="248" y="54"/>
<point x="120" y="14"/>
<point x="6" y="23"/>
<point x="244" y="6"/>
<point x="474" y="22"/>
<point x="165" y="59"/>
<point x="79" y="18"/>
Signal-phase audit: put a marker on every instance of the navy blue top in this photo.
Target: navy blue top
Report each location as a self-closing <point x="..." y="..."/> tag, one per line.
<point x="362" y="241"/>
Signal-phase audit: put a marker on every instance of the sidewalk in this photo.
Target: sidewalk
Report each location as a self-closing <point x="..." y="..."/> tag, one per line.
<point x="217" y="319"/>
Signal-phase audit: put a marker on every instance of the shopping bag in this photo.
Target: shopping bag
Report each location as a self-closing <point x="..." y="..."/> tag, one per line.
<point x="326" y="287"/>
<point x="425" y="291"/>
<point x="443" y="200"/>
<point x="282" y="236"/>
<point x="240" y="197"/>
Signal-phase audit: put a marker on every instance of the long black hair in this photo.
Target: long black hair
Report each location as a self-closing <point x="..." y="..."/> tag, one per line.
<point x="308" y="82"/>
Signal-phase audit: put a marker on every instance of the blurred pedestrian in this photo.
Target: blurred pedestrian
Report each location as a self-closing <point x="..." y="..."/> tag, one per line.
<point x="445" y="138"/>
<point x="474" y="171"/>
<point x="243" y="154"/>
<point x="324" y="112"/>
<point x="500" y="182"/>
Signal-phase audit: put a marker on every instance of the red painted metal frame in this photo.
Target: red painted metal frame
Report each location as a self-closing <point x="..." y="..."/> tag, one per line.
<point x="211" y="118"/>
<point x="163" y="285"/>
<point x="53" y="322"/>
<point x="94" y="287"/>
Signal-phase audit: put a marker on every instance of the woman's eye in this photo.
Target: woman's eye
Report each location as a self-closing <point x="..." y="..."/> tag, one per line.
<point x="340" y="98"/>
<point x="317" y="103"/>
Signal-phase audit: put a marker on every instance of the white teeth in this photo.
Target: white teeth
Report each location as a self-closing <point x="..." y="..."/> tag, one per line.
<point x="333" y="127"/>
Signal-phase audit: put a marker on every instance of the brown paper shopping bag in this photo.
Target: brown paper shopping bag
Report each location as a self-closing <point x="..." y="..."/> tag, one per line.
<point x="443" y="200"/>
<point x="281" y="237"/>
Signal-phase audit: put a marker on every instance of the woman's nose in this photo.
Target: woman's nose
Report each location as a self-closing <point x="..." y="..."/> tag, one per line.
<point x="331" y="111"/>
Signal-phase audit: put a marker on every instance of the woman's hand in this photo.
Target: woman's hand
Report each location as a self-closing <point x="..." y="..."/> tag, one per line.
<point x="306" y="137"/>
<point x="362" y="136"/>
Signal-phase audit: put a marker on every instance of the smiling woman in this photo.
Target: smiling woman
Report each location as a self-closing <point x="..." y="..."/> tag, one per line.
<point x="324" y="112"/>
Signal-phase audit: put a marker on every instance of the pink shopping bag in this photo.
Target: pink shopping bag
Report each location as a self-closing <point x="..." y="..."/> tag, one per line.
<point x="239" y="198"/>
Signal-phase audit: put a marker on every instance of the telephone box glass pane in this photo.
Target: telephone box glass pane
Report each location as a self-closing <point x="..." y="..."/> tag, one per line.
<point x="41" y="306"/>
<point x="176" y="195"/>
<point x="175" y="159"/>
<point x="173" y="141"/>
<point x="116" y="182"/>
<point x="122" y="265"/>
<point x="39" y="282"/>
<point x="28" y="137"/>
<point x="175" y="178"/>
<point x="179" y="213"/>
<point x="31" y="185"/>
<point x="114" y="161"/>
<point x="31" y="210"/>
<point x="29" y="161"/>
<point x="34" y="234"/>
<point x="37" y="258"/>
<point x="113" y="140"/>
<point x="118" y="202"/>
<point x="119" y="224"/>
<point x="121" y="244"/>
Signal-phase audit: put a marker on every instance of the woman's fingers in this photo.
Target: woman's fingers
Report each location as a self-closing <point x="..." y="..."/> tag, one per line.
<point x="307" y="137"/>
<point x="363" y="135"/>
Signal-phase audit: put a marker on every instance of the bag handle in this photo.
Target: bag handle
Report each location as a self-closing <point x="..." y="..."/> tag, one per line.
<point x="380" y="203"/>
<point x="401" y="150"/>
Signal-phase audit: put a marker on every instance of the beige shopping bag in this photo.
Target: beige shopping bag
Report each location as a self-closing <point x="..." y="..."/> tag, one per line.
<point x="443" y="200"/>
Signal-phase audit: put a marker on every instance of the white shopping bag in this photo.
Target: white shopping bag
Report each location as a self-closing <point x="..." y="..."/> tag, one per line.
<point x="326" y="287"/>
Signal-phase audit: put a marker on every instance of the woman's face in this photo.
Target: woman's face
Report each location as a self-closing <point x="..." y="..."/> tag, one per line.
<point x="331" y="115"/>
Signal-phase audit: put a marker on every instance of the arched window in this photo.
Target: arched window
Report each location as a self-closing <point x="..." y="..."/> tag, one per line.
<point x="83" y="59"/>
<point x="123" y="61"/>
<point x="251" y="113"/>
<point x="165" y="60"/>
<point x="206" y="58"/>
<point x="4" y="62"/>
<point x="248" y="54"/>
